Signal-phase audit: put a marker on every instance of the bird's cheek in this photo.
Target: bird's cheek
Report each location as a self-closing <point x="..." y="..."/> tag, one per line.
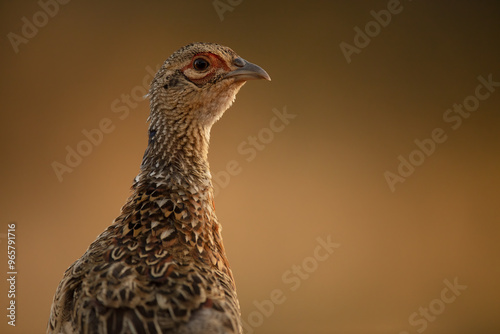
<point x="199" y="79"/>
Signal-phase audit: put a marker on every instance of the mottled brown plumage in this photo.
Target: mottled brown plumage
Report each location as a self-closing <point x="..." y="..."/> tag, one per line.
<point x="161" y="266"/>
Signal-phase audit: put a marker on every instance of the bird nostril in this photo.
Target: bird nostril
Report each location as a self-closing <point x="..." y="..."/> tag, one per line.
<point x="240" y="62"/>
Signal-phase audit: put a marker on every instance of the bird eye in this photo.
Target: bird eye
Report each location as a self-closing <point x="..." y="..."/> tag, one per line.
<point x="200" y="64"/>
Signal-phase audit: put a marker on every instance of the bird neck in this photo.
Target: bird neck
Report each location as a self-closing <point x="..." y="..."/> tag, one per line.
<point x="175" y="181"/>
<point x="177" y="150"/>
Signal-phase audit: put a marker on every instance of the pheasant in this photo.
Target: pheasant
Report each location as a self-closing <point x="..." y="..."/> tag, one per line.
<point x="161" y="266"/>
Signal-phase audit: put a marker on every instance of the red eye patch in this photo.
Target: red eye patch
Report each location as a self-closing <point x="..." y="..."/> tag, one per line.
<point x="215" y="61"/>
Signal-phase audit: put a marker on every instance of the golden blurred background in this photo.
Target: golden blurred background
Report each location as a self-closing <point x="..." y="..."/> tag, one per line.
<point x="336" y="220"/>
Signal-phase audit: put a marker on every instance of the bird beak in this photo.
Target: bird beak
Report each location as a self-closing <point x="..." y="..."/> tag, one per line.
<point x="247" y="71"/>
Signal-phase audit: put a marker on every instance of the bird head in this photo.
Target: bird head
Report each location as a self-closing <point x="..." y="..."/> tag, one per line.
<point x="198" y="82"/>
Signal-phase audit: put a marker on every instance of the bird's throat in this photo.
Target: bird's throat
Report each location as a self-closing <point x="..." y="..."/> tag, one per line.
<point x="177" y="152"/>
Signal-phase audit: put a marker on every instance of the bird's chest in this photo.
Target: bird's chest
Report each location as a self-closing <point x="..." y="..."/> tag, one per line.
<point x="158" y="250"/>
